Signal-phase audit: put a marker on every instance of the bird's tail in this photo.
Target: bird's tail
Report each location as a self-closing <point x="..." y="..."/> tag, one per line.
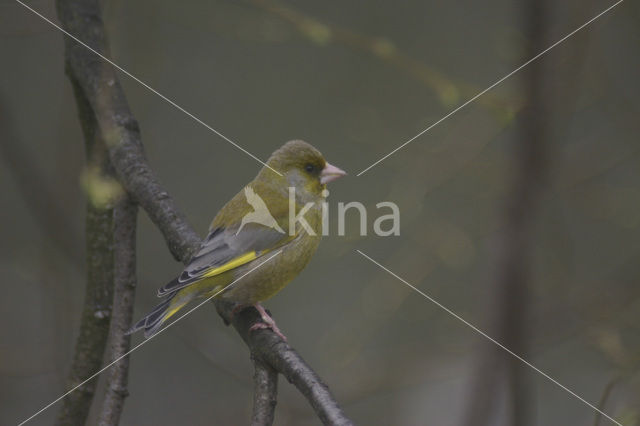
<point x="159" y="315"/>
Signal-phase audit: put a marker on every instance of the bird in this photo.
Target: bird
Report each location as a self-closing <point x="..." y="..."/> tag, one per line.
<point x="255" y="245"/>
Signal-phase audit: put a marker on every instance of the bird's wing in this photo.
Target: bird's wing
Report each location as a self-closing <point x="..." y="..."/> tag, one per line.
<point x="223" y="250"/>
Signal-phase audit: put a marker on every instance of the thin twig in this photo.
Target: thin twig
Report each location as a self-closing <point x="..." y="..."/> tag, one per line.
<point x="122" y="313"/>
<point x="94" y="323"/>
<point x="277" y="353"/>
<point x="265" y="393"/>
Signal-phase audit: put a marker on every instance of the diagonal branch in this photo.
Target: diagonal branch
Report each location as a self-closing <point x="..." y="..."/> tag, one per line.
<point x="99" y="84"/>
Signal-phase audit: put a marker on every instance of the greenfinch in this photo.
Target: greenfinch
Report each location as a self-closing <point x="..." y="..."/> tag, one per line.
<point x="280" y="211"/>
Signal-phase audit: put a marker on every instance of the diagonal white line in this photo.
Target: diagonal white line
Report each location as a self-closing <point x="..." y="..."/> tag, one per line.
<point x="477" y="330"/>
<point x="151" y="89"/>
<point x="492" y="86"/>
<point x="144" y="342"/>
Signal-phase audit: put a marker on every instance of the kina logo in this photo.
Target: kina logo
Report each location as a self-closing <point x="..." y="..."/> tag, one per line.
<point x="260" y="214"/>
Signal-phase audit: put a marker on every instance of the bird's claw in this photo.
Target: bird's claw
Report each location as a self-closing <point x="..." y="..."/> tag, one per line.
<point x="273" y="327"/>
<point x="267" y="322"/>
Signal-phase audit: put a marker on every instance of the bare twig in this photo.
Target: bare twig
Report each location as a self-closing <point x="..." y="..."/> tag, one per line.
<point x="274" y="351"/>
<point x="265" y="393"/>
<point x="99" y="85"/>
<point x="94" y="325"/>
<point x="119" y="342"/>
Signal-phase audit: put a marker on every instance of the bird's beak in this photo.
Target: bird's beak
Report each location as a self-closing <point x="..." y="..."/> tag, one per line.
<point x="330" y="173"/>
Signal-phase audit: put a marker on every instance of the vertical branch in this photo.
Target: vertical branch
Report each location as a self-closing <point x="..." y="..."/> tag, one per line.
<point x="265" y="393"/>
<point x="110" y="231"/>
<point x="94" y="323"/>
<point x="510" y="304"/>
<point x="122" y="314"/>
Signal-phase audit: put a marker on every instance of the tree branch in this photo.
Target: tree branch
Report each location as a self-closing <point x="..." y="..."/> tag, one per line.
<point x="94" y="323"/>
<point x="265" y="393"/>
<point x="270" y="348"/>
<point x="99" y="84"/>
<point x="125" y="216"/>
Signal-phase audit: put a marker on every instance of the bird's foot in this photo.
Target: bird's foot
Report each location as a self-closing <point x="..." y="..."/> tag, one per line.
<point x="267" y="322"/>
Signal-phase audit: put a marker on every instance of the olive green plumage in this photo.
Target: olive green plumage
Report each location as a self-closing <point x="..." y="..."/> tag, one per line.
<point x="244" y="234"/>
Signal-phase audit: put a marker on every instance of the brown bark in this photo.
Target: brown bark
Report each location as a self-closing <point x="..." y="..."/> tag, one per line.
<point x="96" y="314"/>
<point x="265" y="393"/>
<point x="119" y="342"/>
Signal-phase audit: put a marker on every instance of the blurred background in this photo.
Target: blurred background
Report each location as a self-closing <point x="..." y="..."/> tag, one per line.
<point x="521" y="212"/>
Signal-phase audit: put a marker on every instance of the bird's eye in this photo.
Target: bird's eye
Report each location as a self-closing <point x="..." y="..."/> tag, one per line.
<point x="309" y="168"/>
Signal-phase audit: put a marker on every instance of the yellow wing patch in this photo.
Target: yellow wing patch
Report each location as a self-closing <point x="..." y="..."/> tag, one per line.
<point x="172" y="310"/>
<point x="233" y="263"/>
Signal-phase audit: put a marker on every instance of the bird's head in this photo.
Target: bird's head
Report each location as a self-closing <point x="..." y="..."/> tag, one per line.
<point x="303" y="167"/>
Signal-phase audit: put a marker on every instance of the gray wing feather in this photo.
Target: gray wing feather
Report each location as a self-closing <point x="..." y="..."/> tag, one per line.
<point x="221" y="246"/>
